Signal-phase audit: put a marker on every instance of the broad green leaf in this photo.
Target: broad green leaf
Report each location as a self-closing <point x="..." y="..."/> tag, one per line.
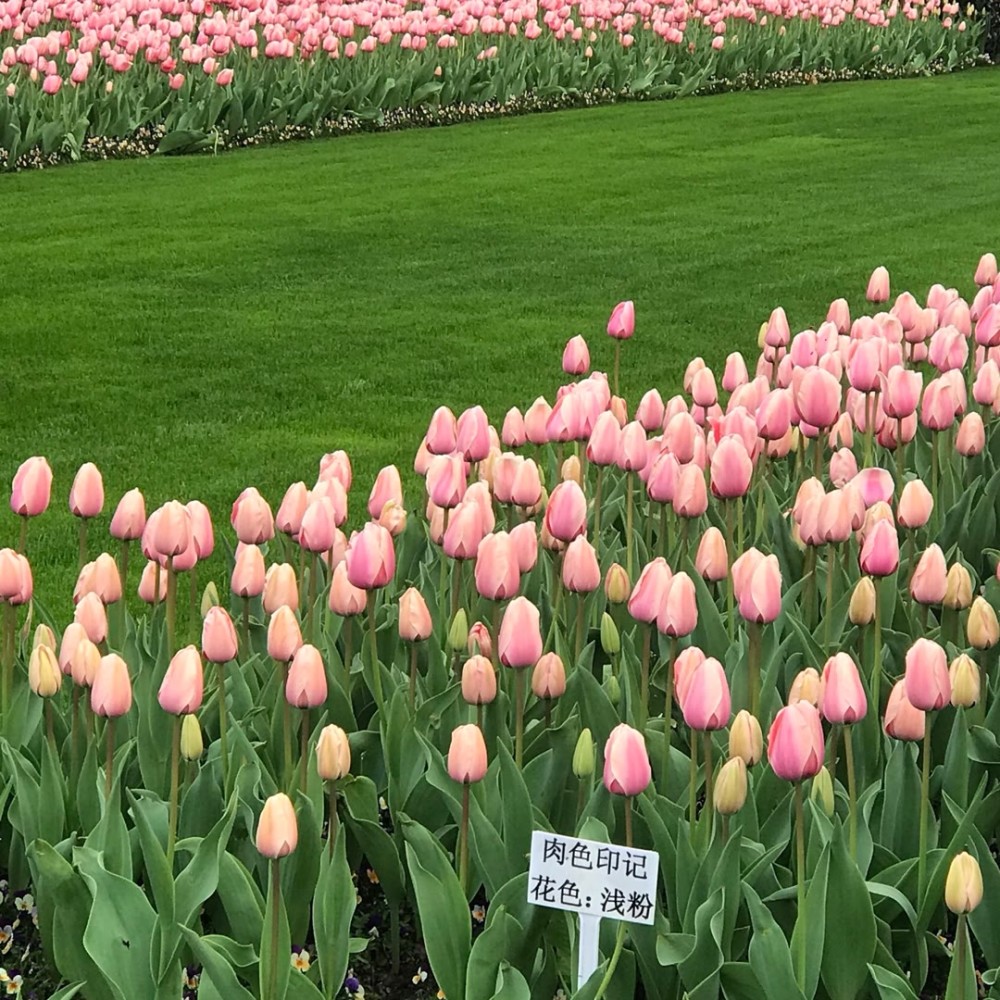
<point x="275" y="941"/>
<point x="332" y="909"/>
<point x="770" y="958"/>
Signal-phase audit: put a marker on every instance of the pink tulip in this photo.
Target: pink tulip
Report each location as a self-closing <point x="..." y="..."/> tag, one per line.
<point x="678" y="612"/>
<point x="526" y="489"/>
<point x="182" y="687"/>
<point x="948" y="349"/>
<point x="902" y="720"/>
<point x="520" y="640"/>
<point x="757" y="586"/>
<point x="345" y="599"/>
<point x="513" y="433"/>
<point x="735" y="373"/>
<point x="688" y="660"/>
<point x="915" y="505"/>
<point x="795" y="743"/>
<point x="472" y="438"/>
<point x="576" y="356"/>
<point x="649" y="413"/>
<point x="284" y="636"/>
<point x="604" y="445"/>
<point x="524" y="538"/>
<point x="581" y="573"/>
<point x="218" y="636"/>
<point x="621" y="325"/>
<point x="497" y="572"/>
<point x="280" y="587"/>
<point x="536" y="421"/>
<point x="370" y="557"/>
<point x="632" y="448"/>
<point x="843" y="467"/>
<point x="661" y="484"/>
<point x="86" y="497"/>
<point x="446" y="480"/>
<point x="566" y="512"/>
<point x="548" y="678"/>
<point x="817" y="396"/>
<point x="929" y="582"/>
<point x="111" y="692"/>
<point x="986" y="271"/>
<point x="626" y="762"/>
<point x="479" y="680"/>
<point x="778" y="333"/>
<point x="305" y="685"/>
<point x="277" y="829"/>
<point x="650" y="591"/>
<point x="707" y="704"/>
<point x="464" y="532"/>
<point x="986" y="387"/>
<point x="691" y="494"/>
<point x="387" y="486"/>
<point x="928" y="684"/>
<point x="442" y="432"/>
<point x="318" y="527"/>
<point x="467" y="760"/>
<point x="731" y="469"/>
<point x="251" y="518"/>
<point x="901" y="392"/>
<point x="880" y="551"/>
<point x="31" y="488"/>
<point x="878" y="286"/>
<point x="248" y="572"/>
<point x="839" y="314"/>
<point x="712" y="558"/>
<point x="874" y="485"/>
<point x="863" y="368"/>
<point x="774" y="415"/>
<point x="842" y="699"/>
<point x="288" y="520"/>
<point x="147" y="584"/>
<point x="940" y="405"/>
<point x="202" y="533"/>
<point x="971" y="437"/>
<point x="225" y="77"/>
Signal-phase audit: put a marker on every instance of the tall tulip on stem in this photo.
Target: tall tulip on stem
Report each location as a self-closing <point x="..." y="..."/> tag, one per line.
<point x="677" y="617"/>
<point x="277" y="837"/>
<point x="644" y="606"/>
<point x="466" y="763"/>
<point x="219" y="645"/>
<point x="111" y="697"/>
<point x="30" y="493"/>
<point x="86" y="501"/>
<point x="963" y="892"/>
<point x="879" y="558"/>
<point x="520" y="646"/>
<point x="305" y="688"/>
<point x="757" y="585"/>
<point x="621" y="326"/>
<point x="415" y="626"/>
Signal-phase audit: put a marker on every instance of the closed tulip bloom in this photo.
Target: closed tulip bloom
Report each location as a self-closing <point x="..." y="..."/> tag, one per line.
<point x="284" y="637"/>
<point x="479" y="680"/>
<point x="31" y="489"/>
<point x="971" y="437"/>
<point x="691" y="494"/>
<point x="915" y="505"/>
<point x="626" y="762"/>
<point x="422" y="459"/>
<point x="928" y="686"/>
<point x="982" y="628"/>
<point x="566" y="512"/>
<point x="987" y="384"/>
<point x="707" y="704"/>
<point x="129" y="518"/>
<point x="526" y="489"/>
<point x="929" y="582"/>
<point x="863" y="367"/>
<point x="730" y="792"/>
<point x="536" y="420"/>
<point x="277" y="828"/>
<point x="861" y="610"/>
<point x="649" y="413"/>
<point x="735" y="373"/>
<point x="147" y="584"/>
<point x="249" y="576"/>
<point x="472" y="438"/>
<point x="520" y="641"/>
<point x="576" y="356"/>
<point x="878" y="286"/>
<point x="548" y="678"/>
<point x="111" y="691"/>
<point x="251" y="518"/>
<point x="874" y="485"/>
<point x="183" y="684"/>
<point x="650" y="590"/>
<point x="345" y="599"/>
<point x="479" y="640"/>
<point x="839" y="314"/>
<point x="777" y="332"/>
<point x="746" y="740"/>
<point x="387" y="486"/>
<point x="105" y="580"/>
<point x="280" y="587"/>
<point x="757" y="586"/>
<point x="842" y="698"/>
<point x="371" y="558"/>
<point x="201" y="528"/>
<point x="880" y="551"/>
<point x="621" y="325"/>
<point x="170" y="529"/>
<point x="91" y="615"/>
<point x="948" y="350"/>
<point x="617" y="587"/>
<point x="902" y="720"/>
<point x="958" y="593"/>
<point x="964" y="676"/>
<point x="305" y="686"/>
<point x="84" y="662"/>
<point x="940" y="405"/>
<point x="817" y="396"/>
<point x="415" y="623"/>
<point x="678" y="613"/>
<point x="604" y="444"/>
<point x="703" y="389"/>
<point x="986" y="273"/>
<point x="524" y="538"/>
<point x="464" y="532"/>
<point x="192" y="744"/>
<point x="44" y="677"/>
<point x="44" y="636"/>
<point x="571" y="469"/>
<point x="337" y="465"/>
<point x="963" y="888"/>
<point x="442" y="432"/>
<point x="318" y="527"/>
<point x="497" y="572"/>
<point x="446" y="480"/>
<point x="581" y="572"/>
<point x="795" y="743"/>
<point x="288" y="520"/>
<point x="731" y="468"/>
<point x="513" y="433"/>
<point x="843" y="467"/>
<point x="806" y="686"/>
<point x="333" y="754"/>
<point x="688" y="660"/>
<point x="218" y="636"/>
<point x="332" y="490"/>
<point x="467" y="762"/>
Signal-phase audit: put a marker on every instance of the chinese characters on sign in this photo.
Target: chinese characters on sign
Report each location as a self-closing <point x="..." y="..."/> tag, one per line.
<point x="588" y="877"/>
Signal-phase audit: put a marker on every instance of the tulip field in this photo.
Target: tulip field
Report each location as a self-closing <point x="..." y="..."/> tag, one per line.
<point x="86" y="81"/>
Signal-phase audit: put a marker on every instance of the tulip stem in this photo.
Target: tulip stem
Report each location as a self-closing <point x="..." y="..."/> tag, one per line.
<point x="83" y="542"/>
<point x="852" y="791"/>
<point x="934" y="474"/>
<point x="9" y="628"/>
<point x="286" y="727"/>
<point x="348" y="633"/>
<point x="899" y="454"/>
<point x="628" y="820"/>
<point x="646" y="630"/>
<point x="311" y="610"/>
<point x="877" y="666"/>
<point x="456" y="588"/>
<point x="22" y="542"/>
<point x="753" y="665"/>
<point x="961" y="944"/>
<point x="668" y="710"/>
<point x="220" y="670"/>
<point x="331" y="830"/>
<point x="709" y="775"/>
<point x="827" y="612"/>
<point x="479" y="715"/>
<point x="800" y="877"/>
<point x="925" y="785"/>
<point x="730" y="544"/>
<point x="598" y="490"/>
<point x="809" y="589"/>
<point x="662" y="540"/>
<point x="692" y="788"/>
<point x="74" y="736"/>
<point x="246" y="628"/>
<point x="519" y="717"/>
<point x="157" y="570"/>
<point x="49" y="731"/>
<point x="275" y="895"/>
<point x="759" y="507"/>
<point x="629" y="505"/>
<point x="613" y="963"/>
<point x="175" y="765"/>
<point x="171" y="604"/>
<point x="304" y="752"/>
<point x="581" y="600"/>
<point x="109" y="760"/>
<point x="376" y="672"/>
<point x="413" y="675"/>
<point x="869" y="427"/>
<point x="618" y="355"/>
<point x="193" y="592"/>
<point x="463" y="842"/>
<point x="739" y="523"/>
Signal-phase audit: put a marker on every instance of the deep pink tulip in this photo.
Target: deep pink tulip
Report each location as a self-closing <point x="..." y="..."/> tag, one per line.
<point x="370" y="557"/>
<point x="288" y="520"/>
<point x="111" y="692"/>
<point x="731" y="468"/>
<point x="757" y="586"/>
<point x="902" y="720"/>
<point x="621" y="325"/>
<point x="32" y="487"/>
<point x="576" y="356"/>
<point x="251" y="518"/>
<point x="626" y="762"/>
<point x="707" y="704"/>
<point x="218" y="636"/>
<point x="305" y="686"/>
<point x="928" y="684"/>
<point x="880" y="551"/>
<point x="520" y="640"/>
<point x="86" y="496"/>
<point x="497" y="572"/>
<point x="842" y="699"/>
<point x="248" y="572"/>
<point x="678" y="612"/>
<point x="183" y="684"/>
<point x="795" y="743"/>
<point x="581" y="572"/>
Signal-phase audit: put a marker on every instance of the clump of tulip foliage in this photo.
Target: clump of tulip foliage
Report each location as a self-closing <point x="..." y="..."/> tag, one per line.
<point x="764" y="609"/>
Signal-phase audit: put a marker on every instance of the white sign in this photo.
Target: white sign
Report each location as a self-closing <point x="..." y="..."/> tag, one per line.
<point x="591" y="878"/>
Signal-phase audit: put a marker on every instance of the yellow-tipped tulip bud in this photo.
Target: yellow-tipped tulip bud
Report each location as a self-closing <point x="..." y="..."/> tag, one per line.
<point x="458" y="634"/>
<point x="959" y="590"/>
<point x="616" y="584"/>
<point x="209" y="598"/>
<point x="745" y="738"/>
<point x="982" y="628"/>
<point x="44" y="675"/>
<point x="611" y="641"/>
<point x="964" y="676"/>
<point x="822" y="791"/>
<point x="571" y="470"/>
<point x="192" y="744"/>
<point x="963" y="889"/>
<point x="761" y="334"/>
<point x="731" y="787"/>
<point x="44" y="636"/>
<point x="862" y="607"/>
<point x="584" y="755"/>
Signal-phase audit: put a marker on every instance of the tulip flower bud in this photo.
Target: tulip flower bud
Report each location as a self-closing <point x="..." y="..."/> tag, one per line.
<point x="963" y="889"/>
<point x="280" y="587"/>
<point x="862" y="607"/>
<point x="571" y="470"/>
<point x="805" y="687"/>
<point x="617" y="586"/>
<point x="958" y="593"/>
<point x="183" y="683"/>
<point x="480" y="641"/>
<point x="745" y="738"/>
<point x="209" y="598"/>
<point x="479" y="681"/>
<point x="731" y="787"/>
<point x="611" y="641"/>
<point x="626" y="762"/>
<point x="548" y="678"/>
<point x="964" y="676"/>
<point x="283" y="635"/>
<point x="44" y="636"/>
<point x="821" y="791"/>
<point x="277" y="828"/>
<point x="192" y="744"/>
<point x="982" y="627"/>
<point x="111" y="693"/>
<point x="84" y="662"/>
<point x="584" y="755"/>
<point x="333" y="754"/>
<point x="458" y="633"/>
<point x="613" y="689"/>
<point x="467" y="760"/>
<point x="414" y="617"/>
<point x="305" y="686"/>
<point x="44" y="676"/>
<point x="91" y="615"/>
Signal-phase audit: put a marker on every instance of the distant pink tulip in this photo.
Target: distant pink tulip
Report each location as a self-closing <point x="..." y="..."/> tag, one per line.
<point x="288" y="520"/>
<point x="442" y="432"/>
<point x="513" y="433"/>
<point x="318" y="527"/>
<point x="707" y="704"/>
<point x="129" y="518"/>
<point x="735" y="373"/>
<point x="371" y="557"/>
<point x="32" y="487"/>
<point x="251" y="518"/>
<point x="52" y="83"/>
<point x="576" y="356"/>
<point x="878" y="286"/>
<point x="472" y="437"/>
<point x="621" y="325"/>
<point x="986" y="271"/>
<point x="795" y="745"/>
<point x="147" y="584"/>
<point x="225" y="77"/>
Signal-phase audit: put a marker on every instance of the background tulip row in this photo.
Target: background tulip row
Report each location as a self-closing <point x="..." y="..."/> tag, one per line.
<point x="752" y="628"/>
<point x="193" y="76"/>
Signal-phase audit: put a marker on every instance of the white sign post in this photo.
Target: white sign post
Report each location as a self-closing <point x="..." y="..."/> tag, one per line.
<point x="593" y="880"/>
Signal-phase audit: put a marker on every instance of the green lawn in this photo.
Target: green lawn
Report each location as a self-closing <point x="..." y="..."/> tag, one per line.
<point x="197" y="325"/>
